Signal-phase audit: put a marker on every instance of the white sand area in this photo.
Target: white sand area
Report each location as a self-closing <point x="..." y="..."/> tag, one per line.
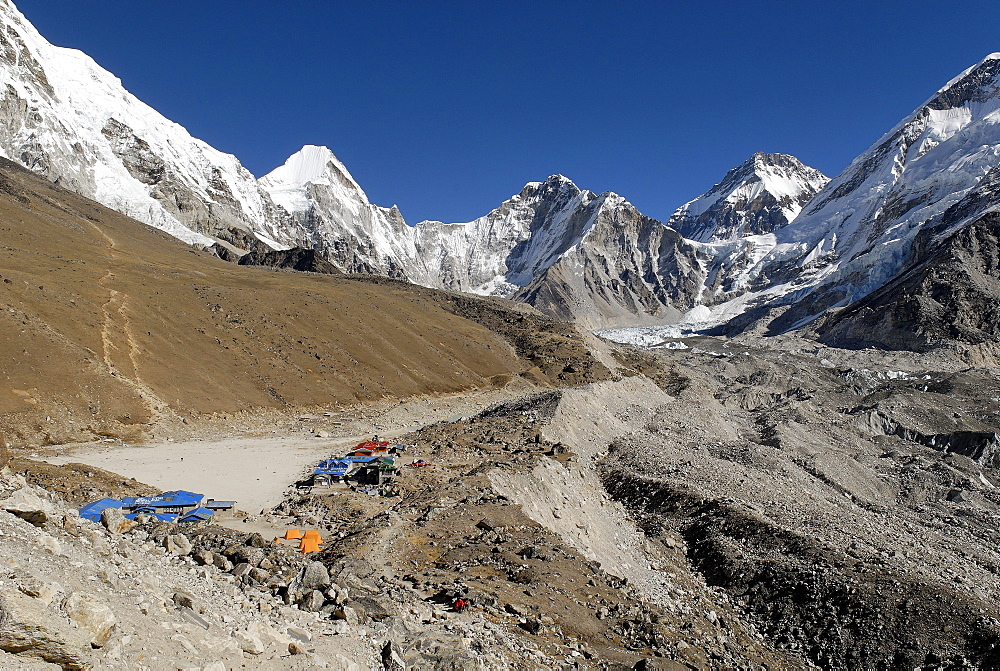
<point x="254" y="472"/>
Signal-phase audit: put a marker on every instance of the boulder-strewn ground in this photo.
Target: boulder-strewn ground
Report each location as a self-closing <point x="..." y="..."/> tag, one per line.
<point x="773" y="504"/>
<point x="845" y="501"/>
<point x="75" y="594"/>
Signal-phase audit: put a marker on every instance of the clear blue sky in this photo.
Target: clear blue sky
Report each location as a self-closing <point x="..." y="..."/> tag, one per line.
<point x="448" y="108"/>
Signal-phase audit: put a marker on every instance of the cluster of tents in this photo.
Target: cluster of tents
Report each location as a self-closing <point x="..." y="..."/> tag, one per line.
<point x="309" y="541"/>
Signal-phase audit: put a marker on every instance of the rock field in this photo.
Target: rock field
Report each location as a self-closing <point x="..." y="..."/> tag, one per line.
<point x="734" y="504"/>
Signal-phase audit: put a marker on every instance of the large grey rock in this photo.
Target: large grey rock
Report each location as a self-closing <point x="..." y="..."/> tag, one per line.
<point x="31" y="630"/>
<point x="28" y="506"/>
<point x="186" y="600"/>
<point x="347" y="614"/>
<point x="376" y="609"/>
<point x="246" y="554"/>
<point x="91" y="615"/>
<point x="312" y="601"/>
<point x="203" y="557"/>
<point x="177" y="544"/>
<point x="314" y="576"/>
<point x="351" y="568"/>
<point x="114" y="520"/>
<point x="249" y="642"/>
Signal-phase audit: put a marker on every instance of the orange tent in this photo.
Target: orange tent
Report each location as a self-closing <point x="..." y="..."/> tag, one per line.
<point x="293" y="534"/>
<point x="309" y="545"/>
<point x="313" y="534"/>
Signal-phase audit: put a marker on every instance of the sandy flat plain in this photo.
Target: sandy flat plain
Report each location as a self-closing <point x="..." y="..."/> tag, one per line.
<point x="257" y="471"/>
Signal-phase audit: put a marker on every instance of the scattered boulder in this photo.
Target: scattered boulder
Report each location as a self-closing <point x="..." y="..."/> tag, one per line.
<point x="531" y="625"/>
<point x="314" y="576"/>
<point x="49" y="543"/>
<point x="177" y="544"/>
<point x="392" y="658"/>
<point x="28" y="506"/>
<point x="374" y="609"/>
<point x="185" y="600"/>
<point x="247" y="554"/>
<point x="241" y="570"/>
<point x="347" y="614"/>
<point x="45" y="592"/>
<point x="258" y="575"/>
<point x="312" y="601"/>
<point x="257" y="541"/>
<point x="222" y="563"/>
<point x="91" y="615"/>
<point x="351" y="568"/>
<point x="28" y="628"/>
<point x="249" y="643"/>
<point x="203" y="557"/>
<point x="300" y="634"/>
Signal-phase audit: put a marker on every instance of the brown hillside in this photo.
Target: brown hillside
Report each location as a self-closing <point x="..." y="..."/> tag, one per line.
<point x="109" y="326"/>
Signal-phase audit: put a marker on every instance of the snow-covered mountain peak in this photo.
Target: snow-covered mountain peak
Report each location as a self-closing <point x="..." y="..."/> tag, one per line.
<point x="303" y="166"/>
<point x="551" y="185"/>
<point x="761" y="195"/>
<point x="70" y="120"/>
<point x="288" y="184"/>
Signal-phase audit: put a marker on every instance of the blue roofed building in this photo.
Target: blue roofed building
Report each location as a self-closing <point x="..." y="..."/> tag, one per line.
<point x="174" y="503"/>
<point x="198" y="515"/>
<point x="163" y="517"/>
<point x="92" y="511"/>
<point x="173" y="506"/>
<point x="331" y="470"/>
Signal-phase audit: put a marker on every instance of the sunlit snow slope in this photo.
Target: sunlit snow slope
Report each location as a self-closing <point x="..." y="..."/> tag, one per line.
<point x="933" y="174"/>
<point x="67" y="118"/>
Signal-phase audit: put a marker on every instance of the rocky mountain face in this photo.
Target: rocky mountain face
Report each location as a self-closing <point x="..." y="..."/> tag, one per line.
<point x="628" y="268"/>
<point x="65" y="117"/>
<point x="877" y="230"/>
<point x="772" y="246"/>
<point x="951" y="294"/>
<point x="925" y="180"/>
<point x="568" y="251"/>
<point x="760" y="196"/>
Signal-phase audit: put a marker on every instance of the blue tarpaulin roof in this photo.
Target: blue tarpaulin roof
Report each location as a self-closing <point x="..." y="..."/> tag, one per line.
<point x="335" y="467"/>
<point x="198" y="515"/>
<point x="163" y="517"/>
<point x="92" y="511"/>
<point x="359" y="460"/>
<point x="179" y="498"/>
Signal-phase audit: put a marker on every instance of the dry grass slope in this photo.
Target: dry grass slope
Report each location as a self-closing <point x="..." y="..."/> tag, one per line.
<point x="112" y="327"/>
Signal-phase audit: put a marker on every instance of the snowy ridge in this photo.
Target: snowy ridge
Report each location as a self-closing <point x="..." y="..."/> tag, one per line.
<point x="288" y="184"/>
<point x="71" y="120"/>
<point x="774" y="236"/>
<point x="938" y="170"/>
<point x="760" y="196"/>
